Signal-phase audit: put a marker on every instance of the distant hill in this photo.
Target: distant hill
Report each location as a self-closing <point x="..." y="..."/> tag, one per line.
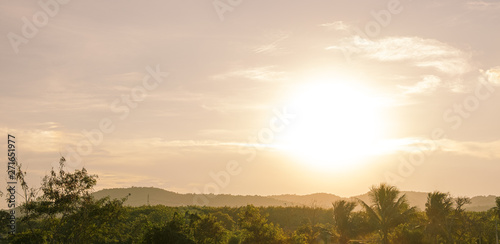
<point x="323" y="200"/>
<point x="139" y="197"/>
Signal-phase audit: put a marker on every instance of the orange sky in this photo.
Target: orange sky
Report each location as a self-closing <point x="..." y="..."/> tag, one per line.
<point x="256" y="97"/>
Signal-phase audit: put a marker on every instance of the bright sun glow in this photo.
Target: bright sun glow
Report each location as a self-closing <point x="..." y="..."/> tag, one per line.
<point x="337" y="124"/>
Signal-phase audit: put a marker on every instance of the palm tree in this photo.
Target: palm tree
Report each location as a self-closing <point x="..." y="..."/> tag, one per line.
<point x="497" y="211"/>
<point x="388" y="210"/>
<point x="438" y="208"/>
<point x="342" y="214"/>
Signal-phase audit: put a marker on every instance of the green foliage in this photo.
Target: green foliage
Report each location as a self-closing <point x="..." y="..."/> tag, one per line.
<point x="192" y="228"/>
<point x="388" y="210"/>
<point x="4" y="224"/>
<point x="344" y="225"/>
<point x="438" y="209"/>
<point x="225" y="220"/>
<point x="208" y="230"/>
<point x="291" y="218"/>
<point x="65" y="212"/>
<point x="306" y="233"/>
<point x="256" y="229"/>
<point x="497" y="208"/>
<point x="407" y="234"/>
<point x="175" y="231"/>
<point x="97" y="221"/>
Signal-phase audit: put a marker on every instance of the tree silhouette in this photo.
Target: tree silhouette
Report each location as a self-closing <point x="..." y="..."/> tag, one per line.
<point x="497" y="208"/>
<point x="461" y="224"/>
<point x="497" y="211"/>
<point x="67" y="213"/>
<point x="63" y="210"/>
<point x="342" y="214"/>
<point x="388" y="210"/>
<point x="438" y="208"/>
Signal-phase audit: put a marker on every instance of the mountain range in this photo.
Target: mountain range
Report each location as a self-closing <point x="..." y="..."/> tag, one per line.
<point x="140" y="196"/>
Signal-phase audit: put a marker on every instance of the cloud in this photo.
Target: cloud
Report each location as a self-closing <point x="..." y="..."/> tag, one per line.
<point x="49" y="125"/>
<point x="179" y="95"/>
<point x="47" y="139"/>
<point x="160" y="145"/>
<point x="407" y="144"/>
<point x="493" y="75"/>
<point x="160" y="142"/>
<point x="258" y="74"/>
<point x="337" y="25"/>
<point x="429" y="84"/>
<point x="225" y="107"/>
<point x="216" y="132"/>
<point x="483" y="5"/>
<point x="272" y="42"/>
<point x="486" y="150"/>
<point x="418" y="51"/>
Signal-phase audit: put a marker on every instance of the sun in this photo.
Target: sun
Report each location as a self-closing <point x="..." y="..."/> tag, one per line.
<point x="338" y="124"/>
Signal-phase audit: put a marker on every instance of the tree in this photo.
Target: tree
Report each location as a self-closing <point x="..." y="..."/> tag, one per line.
<point x="497" y="208"/>
<point x="497" y="211"/>
<point x="192" y="228"/>
<point x="256" y="229"/>
<point x="388" y="210"/>
<point x="407" y="233"/>
<point x="224" y="219"/>
<point x="175" y="231"/>
<point x="306" y="233"/>
<point x="63" y="194"/>
<point x="207" y="230"/>
<point x="461" y="224"/>
<point x="342" y="214"/>
<point x="438" y="209"/>
<point x="5" y="224"/>
<point x="67" y="213"/>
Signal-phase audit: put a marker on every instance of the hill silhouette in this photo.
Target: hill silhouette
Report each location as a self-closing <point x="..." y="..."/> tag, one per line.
<point x="139" y="196"/>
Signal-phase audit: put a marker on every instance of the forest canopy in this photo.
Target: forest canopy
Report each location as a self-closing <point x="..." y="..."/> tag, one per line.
<point x="63" y="210"/>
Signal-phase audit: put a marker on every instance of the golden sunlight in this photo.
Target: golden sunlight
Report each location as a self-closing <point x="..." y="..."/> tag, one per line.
<point x="338" y="124"/>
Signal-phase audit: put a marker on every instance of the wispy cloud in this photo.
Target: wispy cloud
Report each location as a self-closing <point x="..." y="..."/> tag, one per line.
<point x="49" y="125"/>
<point x="267" y="73"/>
<point x="273" y="42"/>
<point x="483" y="5"/>
<point x="337" y="25"/>
<point x="493" y="75"/>
<point x="484" y="150"/>
<point x="226" y="107"/>
<point x="487" y="150"/>
<point x="160" y="142"/>
<point x="419" y="51"/>
<point x="428" y="85"/>
<point x="43" y="140"/>
<point x="406" y="144"/>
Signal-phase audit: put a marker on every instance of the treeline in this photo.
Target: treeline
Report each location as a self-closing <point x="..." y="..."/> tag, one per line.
<point x="62" y="210"/>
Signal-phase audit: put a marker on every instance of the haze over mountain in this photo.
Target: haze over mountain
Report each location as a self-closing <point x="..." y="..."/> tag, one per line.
<point x="140" y="196"/>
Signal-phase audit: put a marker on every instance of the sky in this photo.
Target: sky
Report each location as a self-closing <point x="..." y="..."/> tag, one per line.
<point x="255" y="97"/>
